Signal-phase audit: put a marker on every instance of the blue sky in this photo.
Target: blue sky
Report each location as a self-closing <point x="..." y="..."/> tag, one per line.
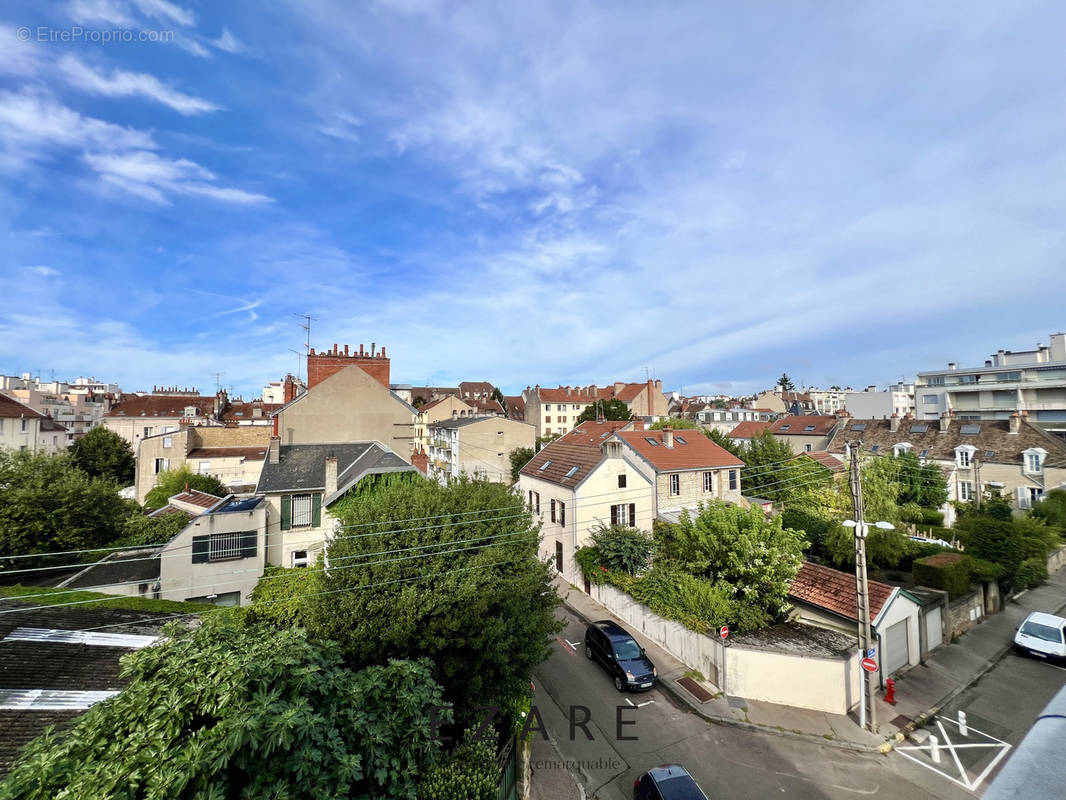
<point x="550" y="192"/>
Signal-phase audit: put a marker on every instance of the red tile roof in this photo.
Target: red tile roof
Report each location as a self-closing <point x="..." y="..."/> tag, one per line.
<point x="697" y="452"/>
<point x="630" y="392"/>
<point x="834" y="591"/>
<point x="748" y="429"/>
<point x="197" y="498"/>
<point x="555" y="461"/>
<point x="516" y="407"/>
<point x="242" y="411"/>
<point x="9" y="407"/>
<point x="157" y="405"/>
<point x="575" y="394"/>
<point x="593" y="432"/>
<point x="826" y="460"/>
<point x="249" y="453"/>
<point x="797" y="426"/>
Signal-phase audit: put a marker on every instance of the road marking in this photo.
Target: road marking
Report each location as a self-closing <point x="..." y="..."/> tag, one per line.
<point x="964" y="779"/>
<point x="573" y="644"/>
<point x="566" y="645"/>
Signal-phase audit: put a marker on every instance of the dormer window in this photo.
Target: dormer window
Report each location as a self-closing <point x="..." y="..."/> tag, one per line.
<point x="902" y="448"/>
<point x="964" y="455"/>
<point x="1033" y="459"/>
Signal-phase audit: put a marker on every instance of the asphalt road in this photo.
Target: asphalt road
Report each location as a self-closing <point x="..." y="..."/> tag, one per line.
<point x="727" y="762"/>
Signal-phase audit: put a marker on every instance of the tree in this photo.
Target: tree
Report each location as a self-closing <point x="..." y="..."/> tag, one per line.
<point x="622" y="547"/>
<point x="140" y="529"/>
<point x="607" y="409"/>
<point x="242" y="712"/>
<point x="677" y="423"/>
<point x="418" y="402"/>
<point x="48" y="504"/>
<point x="171" y="482"/>
<point x="774" y="472"/>
<point x="520" y="456"/>
<point x="460" y="584"/>
<point x="785" y="383"/>
<point x="723" y="441"/>
<point x="497" y="395"/>
<point x="756" y="556"/>
<point x="104" y="454"/>
<point x="920" y="483"/>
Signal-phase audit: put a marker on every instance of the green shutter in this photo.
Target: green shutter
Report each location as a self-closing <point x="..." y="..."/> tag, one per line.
<point x="316" y="510"/>
<point x="286" y="512"/>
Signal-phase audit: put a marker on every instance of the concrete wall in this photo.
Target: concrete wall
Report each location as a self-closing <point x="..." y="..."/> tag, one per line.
<point x="803" y="681"/>
<point x="349" y="406"/>
<point x="280" y="544"/>
<point x="132" y="428"/>
<point x="229" y="470"/>
<point x="180" y="579"/>
<point x="799" y="443"/>
<point x="1056" y="560"/>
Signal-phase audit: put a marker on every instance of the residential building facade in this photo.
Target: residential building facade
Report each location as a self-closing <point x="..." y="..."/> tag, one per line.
<point x="476" y="446"/>
<point x="804" y="434"/>
<point x="555" y="411"/>
<point x="871" y="403"/>
<point x="20" y="425"/>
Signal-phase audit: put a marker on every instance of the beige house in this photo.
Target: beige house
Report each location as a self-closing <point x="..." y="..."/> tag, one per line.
<point x="555" y="411"/>
<point x="1011" y="456"/>
<point x="20" y="425"/>
<point x="54" y="438"/>
<point x="442" y="408"/>
<point x="579" y="482"/>
<point x="685" y="467"/>
<point x="476" y="446"/>
<point x="234" y="455"/>
<point x="348" y="405"/>
<point x="301" y="481"/>
<point x="804" y="434"/>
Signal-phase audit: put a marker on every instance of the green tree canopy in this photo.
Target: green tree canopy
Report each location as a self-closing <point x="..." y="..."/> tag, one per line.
<point x="242" y="712"/>
<point x="723" y="440"/>
<point x="677" y="423"/>
<point x="785" y="383"/>
<point x="140" y="529"/>
<point x="104" y="454"/>
<point x="622" y="547"/>
<point x="774" y="472"/>
<point x="756" y="556"/>
<point x="49" y="504"/>
<point x="460" y="584"/>
<point x="497" y="395"/>
<point x="171" y="482"/>
<point x="608" y="409"/>
<point x="519" y="457"/>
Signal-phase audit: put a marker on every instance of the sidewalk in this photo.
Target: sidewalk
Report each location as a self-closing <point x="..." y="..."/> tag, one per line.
<point x="920" y="691"/>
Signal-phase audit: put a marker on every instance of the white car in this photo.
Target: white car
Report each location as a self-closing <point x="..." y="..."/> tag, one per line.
<point x="1042" y="635"/>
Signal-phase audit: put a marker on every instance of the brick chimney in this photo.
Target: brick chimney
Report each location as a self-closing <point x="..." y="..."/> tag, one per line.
<point x="638" y="424"/>
<point x="1015" y="422"/>
<point x="893" y="423"/>
<point x="668" y="435"/>
<point x="274" y="451"/>
<point x="290" y="389"/>
<point x="324" y="364"/>
<point x="331" y="473"/>
<point x="945" y="421"/>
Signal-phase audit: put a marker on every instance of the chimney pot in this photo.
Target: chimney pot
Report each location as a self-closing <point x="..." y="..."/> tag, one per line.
<point x="1015" y="422"/>
<point x="668" y="436"/>
<point x="893" y="423"/>
<point x="331" y="473"/>
<point x="345" y="351"/>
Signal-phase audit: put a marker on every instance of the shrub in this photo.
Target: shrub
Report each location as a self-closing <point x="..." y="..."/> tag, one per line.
<point x="912" y="512"/>
<point x="622" y="548"/>
<point x="1052" y="508"/>
<point x="1031" y="573"/>
<point x="947" y="571"/>
<point x="469" y="772"/>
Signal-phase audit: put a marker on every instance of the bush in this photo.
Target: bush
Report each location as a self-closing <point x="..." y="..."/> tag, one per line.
<point x="141" y="530"/>
<point x="619" y="547"/>
<point x="469" y="772"/>
<point x="918" y="550"/>
<point x="1031" y="573"/>
<point x="1052" y="508"/>
<point x="947" y="571"/>
<point x="912" y="512"/>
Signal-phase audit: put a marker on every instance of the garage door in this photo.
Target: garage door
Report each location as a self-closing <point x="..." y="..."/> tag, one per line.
<point x="895" y="653"/>
<point x="934" y="629"/>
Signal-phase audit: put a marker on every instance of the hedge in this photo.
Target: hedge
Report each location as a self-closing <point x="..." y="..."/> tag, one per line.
<point x="947" y="571"/>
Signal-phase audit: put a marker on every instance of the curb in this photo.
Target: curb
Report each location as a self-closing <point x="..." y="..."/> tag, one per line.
<point x="683" y="699"/>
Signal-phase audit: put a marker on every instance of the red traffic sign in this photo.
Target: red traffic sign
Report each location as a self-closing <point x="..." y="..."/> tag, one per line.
<point x="868" y="664"/>
<point x="723" y="631"/>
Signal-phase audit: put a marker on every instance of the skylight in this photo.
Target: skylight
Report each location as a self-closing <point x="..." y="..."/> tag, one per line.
<point x="925" y="453"/>
<point x="875" y="448"/>
<point x="970" y="430"/>
<point x="860" y="427"/>
<point x="651" y="441"/>
<point x="544" y="466"/>
<point x="786" y="426"/>
<point x="989" y="453"/>
<point x="809" y="428"/>
<point x="680" y="440"/>
<point x="572" y="472"/>
<point x="919" y="428"/>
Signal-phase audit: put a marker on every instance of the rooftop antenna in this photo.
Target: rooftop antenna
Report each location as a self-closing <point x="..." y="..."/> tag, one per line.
<point x="306" y="325"/>
<point x="217" y="384"/>
<point x="299" y="356"/>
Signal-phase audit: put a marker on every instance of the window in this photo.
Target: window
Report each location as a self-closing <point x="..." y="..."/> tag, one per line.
<point x="919" y="428"/>
<point x="965" y="490"/>
<point x="547" y="406"/>
<point x="168" y="441"/>
<point x="301" y="510"/>
<point x="223" y="546"/>
<point x="562" y="513"/>
<point x="809" y="428"/>
<point x="553" y="510"/>
<point x="679" y="440"/>
<point x="1009" y="376"/>
<point x="161" y="464"/>
<point x="808" y="448"/>
<point x="147" y="430"/>
<point x="547" y="420"/>
<point x="1033" y="459"/>
<point x="924" y="453"/>
<point x="1033" y="462"/>
<point x="204" y="468"/>
<point x="962" y="457"/>
<point x="572" y="472"/>
<point x="651" y="441"/>
<point x="675" y="484"/>
<point x="786" y="426"/>
<point x="300" y="559"/>
<point x="708" y="481"/>
<point x="936" y="380"/>
<point x="559" y="556"/>
<point x="624" y="514"/>
<point x="1034" y="495"/>
<point x="534" y="501"/>
<point x="875" y="448"/>
<point x="545" y="465"/>
<point x="621" y="481"/>
<point x="929" y="399"/>
<point x="969" y="378"/>
<point x="733" y="479"/>
<point x="989" y="454"/>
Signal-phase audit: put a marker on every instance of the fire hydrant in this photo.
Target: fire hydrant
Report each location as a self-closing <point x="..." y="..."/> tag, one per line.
<point x="890" y="692"/>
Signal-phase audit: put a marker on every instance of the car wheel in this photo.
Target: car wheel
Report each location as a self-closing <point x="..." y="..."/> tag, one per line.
<point x="618" y="684"/>
<point x="588" y="651"/>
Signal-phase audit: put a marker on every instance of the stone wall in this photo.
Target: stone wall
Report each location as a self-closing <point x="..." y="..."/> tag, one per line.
<point x="1056" y="560"/>
<point x="965" y="612"/>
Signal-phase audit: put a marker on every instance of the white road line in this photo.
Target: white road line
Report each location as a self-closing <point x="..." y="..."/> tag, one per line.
<point x="988" y="769"/>
<point x="573" y="644"/>
<point x="631" y="702"/>
<point x="930" y="766"/>
<point x="955" y="756"/>
<point x="646" y="703"/>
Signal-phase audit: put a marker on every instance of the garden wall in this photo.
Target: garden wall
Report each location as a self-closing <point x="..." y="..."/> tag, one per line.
<point x="1056" y="560"/>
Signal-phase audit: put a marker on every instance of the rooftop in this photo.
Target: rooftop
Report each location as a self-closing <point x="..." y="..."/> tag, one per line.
<point x="155" y="405"/>
<point x="811" y="425"/>
<point x="748" y="430"/>
<point x="690" y="450"/>
<point x="302" y="467"/>
<point x="834" y="591"/>
<point x="10" y="407"/>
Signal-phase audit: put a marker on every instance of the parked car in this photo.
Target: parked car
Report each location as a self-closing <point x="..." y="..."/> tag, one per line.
<point x="668" y="782"/>
<point x="619" y="653"/>
<point x="1042" y="635"/>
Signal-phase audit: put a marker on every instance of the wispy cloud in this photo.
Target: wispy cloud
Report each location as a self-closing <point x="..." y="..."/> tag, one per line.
<point x="44" y="271"/>
<point x="228" y="43"/>
<point x="148" y="175"/>
<point x="127" y="84"/>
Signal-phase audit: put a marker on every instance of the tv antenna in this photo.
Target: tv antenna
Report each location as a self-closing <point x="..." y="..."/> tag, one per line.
<point x="218" y="385"/>
<point x="306" y="325"/>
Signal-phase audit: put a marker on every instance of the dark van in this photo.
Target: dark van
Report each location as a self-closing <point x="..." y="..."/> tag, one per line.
<point x="620" y="655"/>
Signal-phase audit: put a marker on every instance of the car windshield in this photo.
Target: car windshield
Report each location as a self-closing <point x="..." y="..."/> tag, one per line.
<point x="626" y="650"/>
<point x="1045" y="632"/>
<point x="681" y="787"/>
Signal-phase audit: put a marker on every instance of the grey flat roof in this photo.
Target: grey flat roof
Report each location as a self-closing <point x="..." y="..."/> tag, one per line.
<point x="459" y="422"/>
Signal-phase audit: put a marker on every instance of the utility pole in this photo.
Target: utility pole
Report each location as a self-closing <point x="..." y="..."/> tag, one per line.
<point x="977" y="480"/>
<point x="868" y="708"/>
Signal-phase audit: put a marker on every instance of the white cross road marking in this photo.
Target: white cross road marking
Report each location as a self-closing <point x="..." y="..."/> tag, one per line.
<point x="574" y="644"/>
<point x="963" y="779"/>
<point x="566" y="645"/>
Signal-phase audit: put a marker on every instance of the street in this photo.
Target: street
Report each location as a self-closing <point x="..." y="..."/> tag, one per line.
<point x="727" y="762"/>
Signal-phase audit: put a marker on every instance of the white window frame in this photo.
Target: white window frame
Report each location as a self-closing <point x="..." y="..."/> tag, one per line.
<point x="675" y="484"/>
<point x="964" y="457"/>
<point x="966" y="491"/>
<point x="168" y="441"/>
<point x="621" y="513"/>
<point x="299" y="561"/>
<point x="161" y="465"/>
<point x="299" y="514"/>
<point x="203" y="468"/>
<point x="708" y="481"/>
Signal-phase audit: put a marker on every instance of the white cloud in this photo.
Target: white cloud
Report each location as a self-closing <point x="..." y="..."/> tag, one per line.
<point x="114" y="12"/>
<point x="161" y="9"/>
<point x="152" y="177"/>
<point x="228" y="43"/>
<point x="44" y="271"/>
<point x="125" y="84"/>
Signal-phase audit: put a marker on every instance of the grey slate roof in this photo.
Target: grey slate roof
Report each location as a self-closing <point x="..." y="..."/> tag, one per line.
<point x="141" y="565"/>
<point x="462" y="422"/>
<point x="302" y="467"/>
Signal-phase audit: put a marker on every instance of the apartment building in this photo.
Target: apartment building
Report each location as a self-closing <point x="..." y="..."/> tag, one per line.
<point x="555" y="411"/>
<point x="20" y="425"/>
<point x="478" y="446"/>
<point x="872" y="403"/>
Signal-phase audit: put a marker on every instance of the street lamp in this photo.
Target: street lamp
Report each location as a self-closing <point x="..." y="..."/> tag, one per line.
<point x="862" y="591"/>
